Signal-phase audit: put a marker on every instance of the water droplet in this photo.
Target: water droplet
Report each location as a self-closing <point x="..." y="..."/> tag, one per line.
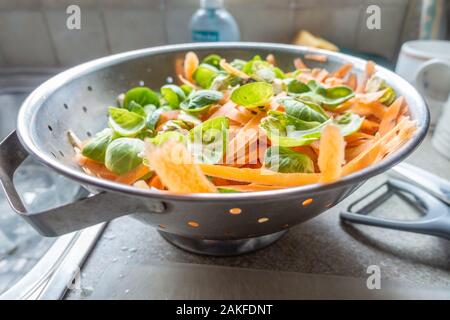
<point x="124" y="248"/>
<point x="127" y="291"/>
<point x="133" y="250"/>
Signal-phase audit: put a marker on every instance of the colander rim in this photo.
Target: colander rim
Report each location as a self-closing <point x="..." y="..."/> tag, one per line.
<point x="38" y="96"/>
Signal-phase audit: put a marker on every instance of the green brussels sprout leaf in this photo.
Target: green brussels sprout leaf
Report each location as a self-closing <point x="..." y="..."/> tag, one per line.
<point x="201" y="100"/>
<point x="205" y="74"/>
<point x="305" y="111"/>
<point x="213" y="60"/>
<point x="123" y="155"/>
<point x="208" y="141"/>
<point x="173" y="95"/>
<point x="295" y="86"/>
<point x="165" y="136"/>
<point x="286" y="160"/>
<point x="252" y="95"/>
<point x="348" y="123"/>
<point x="288" y="131"/>
<point x="96" y="148"/>
<point x="330" y="98"/>
<point x="142" y="96"/>
<point x="125" y="123"/>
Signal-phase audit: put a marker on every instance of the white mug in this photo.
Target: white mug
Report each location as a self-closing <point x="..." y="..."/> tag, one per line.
<point x="441" y="135"/>
<point x="426" y="64"/>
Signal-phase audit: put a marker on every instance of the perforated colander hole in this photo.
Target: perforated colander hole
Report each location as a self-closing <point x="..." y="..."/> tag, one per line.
<point x="263" y="219"/>
<point x="54" y="155"/>
<point x="66" y="106"/>
<point x="307" y="202"/>
<point x="61" y="153"/>
<point x="89" y="88"/>
<point x="50" y="128"/>
<point x="84" y="109"/>
<point x="235" y="211"/>
<point x="193" y="224"/>
<point x="89" y="134"/>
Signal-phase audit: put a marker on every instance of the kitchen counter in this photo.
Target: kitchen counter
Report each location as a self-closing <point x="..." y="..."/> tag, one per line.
<point x="323" y="245"/>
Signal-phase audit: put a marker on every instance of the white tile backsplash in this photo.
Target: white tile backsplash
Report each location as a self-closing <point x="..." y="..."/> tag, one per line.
<point x="264" y="20"/>
<point x="327" y="22"/>
<point x="25" y="39"/>
<point x="177" y="16"/>
<point x="386" y="41"/>
<point x="76" y="46"/>
<point x="133" y="29"/>
<point x="34" y="33"/>
<point x="133" y="24"/>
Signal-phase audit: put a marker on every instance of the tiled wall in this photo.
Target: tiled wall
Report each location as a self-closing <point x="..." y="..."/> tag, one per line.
<point x="34" y="33"/>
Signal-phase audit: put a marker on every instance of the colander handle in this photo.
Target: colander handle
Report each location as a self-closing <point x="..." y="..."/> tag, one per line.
<point x="81" y="214"/>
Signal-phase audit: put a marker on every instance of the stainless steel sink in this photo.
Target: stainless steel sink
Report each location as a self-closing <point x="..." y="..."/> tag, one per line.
<point x="31" y="266"/>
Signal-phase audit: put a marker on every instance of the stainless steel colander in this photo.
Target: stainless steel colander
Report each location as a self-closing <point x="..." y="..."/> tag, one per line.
<point x="77" y="100"/>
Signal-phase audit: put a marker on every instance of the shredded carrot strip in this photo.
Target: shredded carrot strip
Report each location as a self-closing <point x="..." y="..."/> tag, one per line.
<point x="190" y="65"/>
<point x="376" y="109"/>
<point x="299" y="64"/>
<point x="271" y="59"/>
<point x="316" y="57"/>
<point x="187" y="82"/>
<point x="367" y="98"/>
<point x="333" y="81"/>
<point x="274" y="105"/>
<point x="358" y="136"/>
<point x="372" y="151"/>
<point x="351" y="152"/>
<point x="175" y="167"/>
<point x="331" y="154"/>
<point x="369" y="126"/>
<point x="404" y="134"/>
<point x="239" y="114"/>
<point x="232" y="70"/>
<point x="251" y="187"/>
<point x="260" y="176"/>
<point x="95" y="168"/>
<point x="251" y="153"/>
<point x="166" y="116"/>
<point x="156" y="183"/>
<point x="342" y="71"/>
<point x="222" y="111"/>
<point x="390" y="116"/>
<point x="363" y="160"/>
<point x="322" y="75"/>
<point x="369" y="71"/>
<point x="243" y="137"/>
<point x="352" y="81"/>
<point x="133" y="175"/>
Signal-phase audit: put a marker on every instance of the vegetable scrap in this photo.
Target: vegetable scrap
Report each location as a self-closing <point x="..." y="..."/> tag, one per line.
<point x="236" y="125"/>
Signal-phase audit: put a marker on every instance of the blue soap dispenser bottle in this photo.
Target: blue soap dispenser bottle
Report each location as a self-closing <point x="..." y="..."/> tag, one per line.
<point x="212" y="23"/>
